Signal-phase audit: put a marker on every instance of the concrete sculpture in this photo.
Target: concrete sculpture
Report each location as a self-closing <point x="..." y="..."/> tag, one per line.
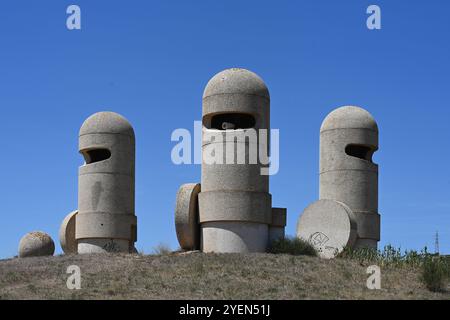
<point x="106" y="220"/>
<point x="36" y="244"/>
<point x="234" y="205"/>
<point x="67" y="234"/>
<point x="278" y="225"/>
<point x="348" y="139"/>
<point x="329" y="226"/>
<point x="186" y="217"/>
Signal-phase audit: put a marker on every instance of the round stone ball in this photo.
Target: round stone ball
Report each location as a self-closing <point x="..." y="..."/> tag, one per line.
<point x="36" y="244"/>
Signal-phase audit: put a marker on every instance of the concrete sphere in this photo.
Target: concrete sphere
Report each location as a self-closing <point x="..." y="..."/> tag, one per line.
<point x="36" y="244"/>
<point x="349" y="117"/>
<point x="236" y="81"/>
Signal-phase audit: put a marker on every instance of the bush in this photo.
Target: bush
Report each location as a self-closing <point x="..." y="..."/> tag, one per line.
<point x="362" y="255"/>
<point x="293" y="246"/>
<point x="162" y="249"/>
<point x="389" y="256"/>
<point x="435" y="272"/>
<point x="435" y="269"/>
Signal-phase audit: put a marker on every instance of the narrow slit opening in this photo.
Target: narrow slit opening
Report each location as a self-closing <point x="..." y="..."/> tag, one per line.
<point x="360" y="151"/>
<point x="96" y="155"/>
<point x="230" y="121"/>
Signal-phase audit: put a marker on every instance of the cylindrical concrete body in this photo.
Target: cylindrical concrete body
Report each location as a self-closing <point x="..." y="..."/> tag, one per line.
<point x="106" y="221"/>
<point x="348" y="139"/>
<point x="234" y="203"/>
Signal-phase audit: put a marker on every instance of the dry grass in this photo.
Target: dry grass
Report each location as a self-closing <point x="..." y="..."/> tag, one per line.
<point x="206" y="276"/>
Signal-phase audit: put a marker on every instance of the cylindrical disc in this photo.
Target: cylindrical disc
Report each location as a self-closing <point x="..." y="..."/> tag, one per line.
<point x="329" y="226"/>
<point x="67" y="234"/>
<point x="187" y="216"/>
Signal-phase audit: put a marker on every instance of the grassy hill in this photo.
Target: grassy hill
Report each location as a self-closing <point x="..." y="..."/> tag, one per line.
<point x="206" y="276"/>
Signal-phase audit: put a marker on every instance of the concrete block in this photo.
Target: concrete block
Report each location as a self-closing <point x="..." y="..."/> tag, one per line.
<point x="235" y="206"/>
<point x="67" y="234"/>
<point x="278" y="224"/>
<point x="187" y="216"/>
<point x="234" y="237"/>
<point x="329" y="226"/>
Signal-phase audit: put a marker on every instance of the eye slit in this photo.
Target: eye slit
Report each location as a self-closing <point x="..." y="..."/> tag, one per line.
<point x="230" y="121"/>
<point x="96" y="155"/>
<point x="360" y="151"/>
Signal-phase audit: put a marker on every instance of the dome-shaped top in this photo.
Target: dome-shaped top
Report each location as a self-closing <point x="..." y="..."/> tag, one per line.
<point x="349" y="117"/>
<point x="236" y="80"/>
<point x="107" y="122"/>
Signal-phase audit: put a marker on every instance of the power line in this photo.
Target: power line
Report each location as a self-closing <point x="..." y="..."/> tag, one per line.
<point x="436" y="243"/>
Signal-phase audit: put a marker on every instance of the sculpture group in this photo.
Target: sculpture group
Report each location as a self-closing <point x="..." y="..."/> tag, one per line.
<point x="230" y="211"/>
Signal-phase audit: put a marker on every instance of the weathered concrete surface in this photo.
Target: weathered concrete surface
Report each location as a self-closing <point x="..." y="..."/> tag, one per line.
<point x="329" y="226"/>
<point x="36" y="244"/>
<point x="234" y="236"/>
<point x="67" y="234"/>
<point x="278" y="224"/>
<point x="106" y="221"/>
<point x="348" y="139"/>
<point x="235" y="204"/>
<point x="186" y="216"/>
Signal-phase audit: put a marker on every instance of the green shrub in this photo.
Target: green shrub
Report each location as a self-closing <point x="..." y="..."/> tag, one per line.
<point x="435" y="272"/>
<point x="363" y="255"/>
<point x="293" y="246"/>
<point x="389" y="256"/>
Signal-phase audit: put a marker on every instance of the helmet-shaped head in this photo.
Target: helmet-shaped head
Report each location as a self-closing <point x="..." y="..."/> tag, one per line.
<point x="107" y="143"/>
<point x="236" y="99"/>
<point x="349" y="117"/>
<point x="349" y="137"/>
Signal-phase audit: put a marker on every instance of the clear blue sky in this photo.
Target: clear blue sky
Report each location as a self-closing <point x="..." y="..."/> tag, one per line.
<point x="150" y="61"/>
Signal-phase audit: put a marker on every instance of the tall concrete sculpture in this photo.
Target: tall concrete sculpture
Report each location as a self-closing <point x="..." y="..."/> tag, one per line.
<point x="234" y="204"/>
<point x="106" y="220"/>
<point x="348" y="139"/>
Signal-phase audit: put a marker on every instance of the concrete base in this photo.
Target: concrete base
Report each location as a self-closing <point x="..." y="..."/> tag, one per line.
<point x="278" y="225"/>
<point x="86" y="246"/>
<point x="234" y="237"/>
<point x="276" y="233"/>
<point x="366" y="243"/>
